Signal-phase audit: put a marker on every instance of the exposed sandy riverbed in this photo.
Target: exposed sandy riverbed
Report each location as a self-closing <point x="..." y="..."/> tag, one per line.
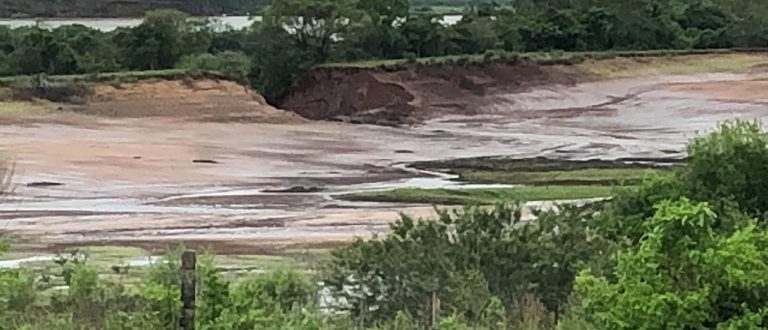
<point x="134" y="180"/>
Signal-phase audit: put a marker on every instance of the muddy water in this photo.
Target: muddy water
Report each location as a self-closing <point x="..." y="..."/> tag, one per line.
<point x="133" y="181"/>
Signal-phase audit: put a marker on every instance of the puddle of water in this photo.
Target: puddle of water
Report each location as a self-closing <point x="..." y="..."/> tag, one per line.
<point x="134" y="262"/>
<point x="442" y="182"/>
<point x="143" y="261"/>
<point x="16" y="263"/>
<point x="224" y="193"/>
<point x="265" y="233"/>
<point x="114" y="205"/>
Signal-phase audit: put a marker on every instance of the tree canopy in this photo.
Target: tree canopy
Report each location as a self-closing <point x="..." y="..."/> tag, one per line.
<point x="311" y="32"/>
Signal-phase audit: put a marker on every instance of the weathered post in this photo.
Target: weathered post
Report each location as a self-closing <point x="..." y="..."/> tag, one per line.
<point x="188" y="281"/>
<point x="435" y="310"/>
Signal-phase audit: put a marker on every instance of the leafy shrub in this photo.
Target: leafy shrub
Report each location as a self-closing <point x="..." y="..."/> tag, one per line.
<point x="683" y="274"/>
<point x="410" y="57"/>
<point x="729" y="165"/>
<point x="17" y="290"/>
<point x="229" y="63"/>
<point x="502" y="255"/>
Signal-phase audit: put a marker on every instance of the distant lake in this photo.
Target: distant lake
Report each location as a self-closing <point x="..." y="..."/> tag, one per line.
<point x="109" y="24"/>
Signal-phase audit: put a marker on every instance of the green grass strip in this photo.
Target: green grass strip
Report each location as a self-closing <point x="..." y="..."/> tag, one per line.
<point x="481" y="196"/>
<point x="592" y="176"/>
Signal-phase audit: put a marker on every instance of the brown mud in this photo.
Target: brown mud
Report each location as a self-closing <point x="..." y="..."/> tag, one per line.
<point x="411" y="95"/>
<point x="206" y="99"/>
<point x="132" y="179"/>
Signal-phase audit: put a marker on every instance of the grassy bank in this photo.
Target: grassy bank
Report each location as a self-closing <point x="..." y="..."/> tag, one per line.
<point x="544" y="58"/>
<point x="27" y="81"/>
<point x="608" y="177"/>
<point x="129" y="264"/>
<point x="600" y="65"/>
<point x="481" y="196"/>
<point x="540" y="179"/>
<point x="608" y="64"/>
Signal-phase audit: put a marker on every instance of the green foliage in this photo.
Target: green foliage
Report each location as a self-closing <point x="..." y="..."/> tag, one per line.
<point x="282" y="290"/>
<point x="473" y="35"/>
<point x="17" y="290"/>
<point x="278" y="298"/>
<point x="729" y="165"/>
<point x="161" y="40"/>
<point x="726" y="168"/>
<point x="231" y="64"/>
<point x="160" y="290"/>
<point x="296" y="35"/>
<point x="489" y="252"/>
<point x="632" y="205"/>
<point x="384" y="12"/>
<point x="277" y="60"/>
<point x="480" y="196"/>
<point x="313" y="23"/>
<point x="683" y="274"/>
<point x="424" y="36"/>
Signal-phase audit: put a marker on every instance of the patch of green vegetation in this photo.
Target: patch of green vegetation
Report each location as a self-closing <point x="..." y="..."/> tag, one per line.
<point x="129" y="264"/>
<point x="109" y="77"/>
<point x="13" y="107"/>
<point x="542" y="58"/>
<point x="733" y="62"/>
<point x="481" y="196"/>
<point x="592" y="176"/>
<point x="260" y="262"/>
<point x="438" y="10"/>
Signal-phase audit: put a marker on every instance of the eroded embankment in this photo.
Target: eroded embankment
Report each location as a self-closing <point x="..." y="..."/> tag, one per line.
<point x="147" y="182"/>
<point x="412" y="93"/>
<point x="201" y="98"/>
<point x="409" y="93"/>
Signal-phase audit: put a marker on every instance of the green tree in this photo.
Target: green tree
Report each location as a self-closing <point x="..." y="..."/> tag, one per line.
<point x="385" y="12"/>
<point x="91" y="49"/>
<point x="473" y="35"/>
<point x="235" y="65"/>
<point x="36" y="50"/>
<point x="729" y="165"/>
<point x="598" y="24"/>
<point x="424" y="35"/>
<point x="554" y="29"/>
<point x="726" y="168"/>
<point x="646" y="24"/>
<point x="366" y="40"/>
<point x="313" y="24"/>
<point x="161" y="40"/>
<point x="400" y="271"/>
<point x="684" y="274"/>
<point x="277" y="61"/>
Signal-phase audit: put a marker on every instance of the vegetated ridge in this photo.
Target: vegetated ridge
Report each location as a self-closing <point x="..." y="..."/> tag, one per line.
<point x="202" y="96"/>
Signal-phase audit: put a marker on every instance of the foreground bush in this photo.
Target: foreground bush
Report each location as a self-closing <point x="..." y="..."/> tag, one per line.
<point x="684" y="274"/>
<point x="466" y="258"/>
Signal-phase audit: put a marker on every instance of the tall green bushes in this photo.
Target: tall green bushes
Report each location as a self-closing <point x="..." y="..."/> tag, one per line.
<point x="282" y="45"/>
<point x="685" y="273"/>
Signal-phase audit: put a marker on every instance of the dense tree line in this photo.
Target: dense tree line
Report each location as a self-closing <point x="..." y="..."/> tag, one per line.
<point x="117" y="8"/>
<point x="297" y="34"/>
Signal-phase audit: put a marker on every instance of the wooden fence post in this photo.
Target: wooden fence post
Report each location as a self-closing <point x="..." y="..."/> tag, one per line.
<point x="188" y="282"/>
<point x="435" y="310"/>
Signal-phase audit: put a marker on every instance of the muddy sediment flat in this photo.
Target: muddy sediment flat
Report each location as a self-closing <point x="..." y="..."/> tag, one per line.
<point x="141" y="181"/>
